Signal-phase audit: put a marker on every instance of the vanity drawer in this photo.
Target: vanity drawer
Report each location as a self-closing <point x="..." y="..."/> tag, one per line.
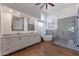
<point x="6" y="42"/>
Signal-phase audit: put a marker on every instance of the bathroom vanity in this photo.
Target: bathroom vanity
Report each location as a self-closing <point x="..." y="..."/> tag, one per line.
<point x="16" y="31"/>
<point x="12" y="43"/>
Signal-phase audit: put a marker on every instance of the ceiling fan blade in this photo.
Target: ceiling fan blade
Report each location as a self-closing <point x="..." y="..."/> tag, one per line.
<point x="51" y="4"/>
<point x="42" y="6"/>
<point x="37" y="3"/>
<point x="46" y="6"/>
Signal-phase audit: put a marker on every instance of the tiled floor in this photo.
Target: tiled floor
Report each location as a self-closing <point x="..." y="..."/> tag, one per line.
<point x="45" y="49"/>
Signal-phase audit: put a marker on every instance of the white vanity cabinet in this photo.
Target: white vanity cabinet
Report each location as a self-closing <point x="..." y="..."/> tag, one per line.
<point x="37" y="38"/>
<point x="10" y="44"/>
<point x="23" y="41"/>
<point x="15" y="43"/>
<point x="6" y="46"/>
<point x="34" y="39"/>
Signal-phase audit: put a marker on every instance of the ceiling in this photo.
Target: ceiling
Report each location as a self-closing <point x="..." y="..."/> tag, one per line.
<point x="34" y="10"/>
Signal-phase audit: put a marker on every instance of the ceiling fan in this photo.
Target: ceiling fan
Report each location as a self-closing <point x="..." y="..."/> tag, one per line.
<point x="46" y="4"/>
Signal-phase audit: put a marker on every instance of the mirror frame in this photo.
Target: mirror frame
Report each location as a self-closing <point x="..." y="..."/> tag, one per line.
<point x="22" y="23"/>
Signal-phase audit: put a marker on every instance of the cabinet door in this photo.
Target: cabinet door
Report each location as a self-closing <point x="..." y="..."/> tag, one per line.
<point x="23" y="41"/>
<point x="6" y="46"/>
<point x="15" y="43"/>
<point x="10" y="44"/>
<point x="35" y="38"/>
<point x="31" y="39"/>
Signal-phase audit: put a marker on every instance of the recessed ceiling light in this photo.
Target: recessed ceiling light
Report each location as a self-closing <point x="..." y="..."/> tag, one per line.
<point x="18" y="13"/>
<point x="11" y="10"/>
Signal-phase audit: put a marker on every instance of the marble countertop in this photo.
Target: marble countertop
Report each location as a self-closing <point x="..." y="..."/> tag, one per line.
<point x="20" y="34"/>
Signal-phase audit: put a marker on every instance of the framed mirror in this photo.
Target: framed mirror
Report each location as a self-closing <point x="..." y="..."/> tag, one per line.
<point x="17" y="23"/>
<point x="31" y="26"/>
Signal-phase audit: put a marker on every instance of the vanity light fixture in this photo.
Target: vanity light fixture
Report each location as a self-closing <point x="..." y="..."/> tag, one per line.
<point x="11" y="10"/>
<point x="18" y="13"/>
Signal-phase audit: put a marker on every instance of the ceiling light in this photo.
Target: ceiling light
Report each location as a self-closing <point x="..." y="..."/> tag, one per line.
<point x="11" y="10"/>
<point x="18" y="13"/>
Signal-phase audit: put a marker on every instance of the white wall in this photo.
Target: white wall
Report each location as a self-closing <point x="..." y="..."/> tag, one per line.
<point x="6" y="21"/>
<point x="40" y="27"/>
<point x="0" y="32"/>
<point x="68" y="11"/>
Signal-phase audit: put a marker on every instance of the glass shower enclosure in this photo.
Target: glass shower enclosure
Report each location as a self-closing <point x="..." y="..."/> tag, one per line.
<point x="67" y="34"/>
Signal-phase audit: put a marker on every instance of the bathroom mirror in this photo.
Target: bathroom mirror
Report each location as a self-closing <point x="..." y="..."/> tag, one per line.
<point x="31" y="26"/>
<point x="17" y="23"/>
